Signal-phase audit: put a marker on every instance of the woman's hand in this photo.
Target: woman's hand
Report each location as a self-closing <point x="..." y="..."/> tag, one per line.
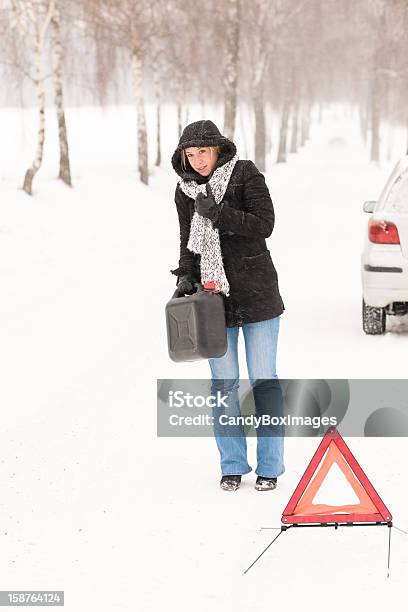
<point x="185" y="285"/>
<point x="206" y="206"/>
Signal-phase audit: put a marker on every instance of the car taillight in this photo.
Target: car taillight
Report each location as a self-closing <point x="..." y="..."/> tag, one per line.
<point x="383" y="232"/>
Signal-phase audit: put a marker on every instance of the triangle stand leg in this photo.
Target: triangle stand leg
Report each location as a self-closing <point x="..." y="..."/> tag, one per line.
<point x="282" y="530"/>
<point x="389" y="550"/>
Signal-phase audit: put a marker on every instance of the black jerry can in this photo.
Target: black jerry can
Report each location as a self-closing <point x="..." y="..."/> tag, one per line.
<point x="196" y="326"/>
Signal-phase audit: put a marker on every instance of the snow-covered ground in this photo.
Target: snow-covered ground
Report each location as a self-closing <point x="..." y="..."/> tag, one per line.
<point x="93" y="503"/>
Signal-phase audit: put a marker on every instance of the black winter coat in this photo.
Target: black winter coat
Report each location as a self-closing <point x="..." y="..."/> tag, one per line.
<point x="246" y="219"/>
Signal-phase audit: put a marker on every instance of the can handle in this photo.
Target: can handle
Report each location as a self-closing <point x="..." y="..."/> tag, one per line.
<point x="198" y="286"/>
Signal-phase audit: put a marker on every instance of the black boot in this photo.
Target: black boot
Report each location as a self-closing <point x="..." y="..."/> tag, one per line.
<point x="265" y="484"/>
<point x="230" y="482"/>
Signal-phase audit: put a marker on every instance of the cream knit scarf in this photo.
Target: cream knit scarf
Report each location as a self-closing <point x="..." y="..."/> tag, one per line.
<point x="204" y="238"/>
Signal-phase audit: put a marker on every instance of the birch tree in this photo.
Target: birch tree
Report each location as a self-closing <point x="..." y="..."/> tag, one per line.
<point x="231" y="65"/>
<point x="129" y="24"/>
<point x="57" y="57"/>
<point x="259" y="40"/>
<point x="284" y="120"/>
<point x="31" y="19"/>
<point x="265" y="22"/>
<point x="158" y="99"/>
<point x="377" y="82"/>
<point x="188" y="53"/>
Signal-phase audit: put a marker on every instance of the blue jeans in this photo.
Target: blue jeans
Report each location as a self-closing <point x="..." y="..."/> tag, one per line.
<point x="260" y="346"/>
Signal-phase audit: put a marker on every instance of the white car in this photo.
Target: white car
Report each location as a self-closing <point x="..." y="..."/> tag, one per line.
<point x="384" y="261"/>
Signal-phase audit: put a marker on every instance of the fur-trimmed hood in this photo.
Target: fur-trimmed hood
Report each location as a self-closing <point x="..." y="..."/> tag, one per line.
<point x="201" y="134"/>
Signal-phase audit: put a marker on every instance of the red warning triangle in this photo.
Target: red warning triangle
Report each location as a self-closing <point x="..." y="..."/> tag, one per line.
<point x="301" y="509"/>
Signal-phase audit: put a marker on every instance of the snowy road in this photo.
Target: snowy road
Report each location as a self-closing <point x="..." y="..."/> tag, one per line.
<point x="93" y="503"/>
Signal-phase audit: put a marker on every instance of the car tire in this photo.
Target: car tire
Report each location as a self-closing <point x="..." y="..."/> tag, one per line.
<point x="373" y="319"/>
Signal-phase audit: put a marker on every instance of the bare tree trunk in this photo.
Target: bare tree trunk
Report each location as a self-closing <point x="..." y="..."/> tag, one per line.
<point x="364" y="119"/>
<point x="36" y="165"/>
<point x="294" y="95"/>
<point x="406" y="150"/>
<point x="269" y="126"/>
<point x="64" y="168"/>
<point x="243" y="133"/>
<point x="283" y="132"/>
<point x="377" y="91"/>
<point x="375" y="103"/>
<point x="375" y="120"/>
<point x="390" y="144"/>
<point x="261" y="62"/>
<point x="40" y="89"/>
<point x="295" y="131"/>
<point x="186" y="113"/>
<point x="158" y="134"/>
<point x="141" y="119"/>
<point x="305" y="124"/>
<point x="231" y="69"/>
<point x="260" y="132"/>
<point x="179" y="102"/>
<point x="158" y="112"/>
<point x="179" y="118"/>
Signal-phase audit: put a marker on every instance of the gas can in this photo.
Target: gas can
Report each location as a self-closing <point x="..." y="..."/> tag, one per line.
<point x="196" y="326"/>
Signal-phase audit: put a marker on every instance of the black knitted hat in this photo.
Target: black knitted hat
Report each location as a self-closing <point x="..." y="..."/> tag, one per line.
<point x="202" y="134"/>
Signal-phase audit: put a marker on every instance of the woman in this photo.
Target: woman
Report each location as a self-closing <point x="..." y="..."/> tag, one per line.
<point x="225" y="213"/>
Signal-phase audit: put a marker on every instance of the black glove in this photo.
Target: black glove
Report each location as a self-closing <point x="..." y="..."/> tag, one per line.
<point x="206" y="206"/>
<point x="185" y="285"/>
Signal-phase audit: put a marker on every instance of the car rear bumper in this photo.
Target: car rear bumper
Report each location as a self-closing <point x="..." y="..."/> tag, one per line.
<point x="384" y="276"/>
